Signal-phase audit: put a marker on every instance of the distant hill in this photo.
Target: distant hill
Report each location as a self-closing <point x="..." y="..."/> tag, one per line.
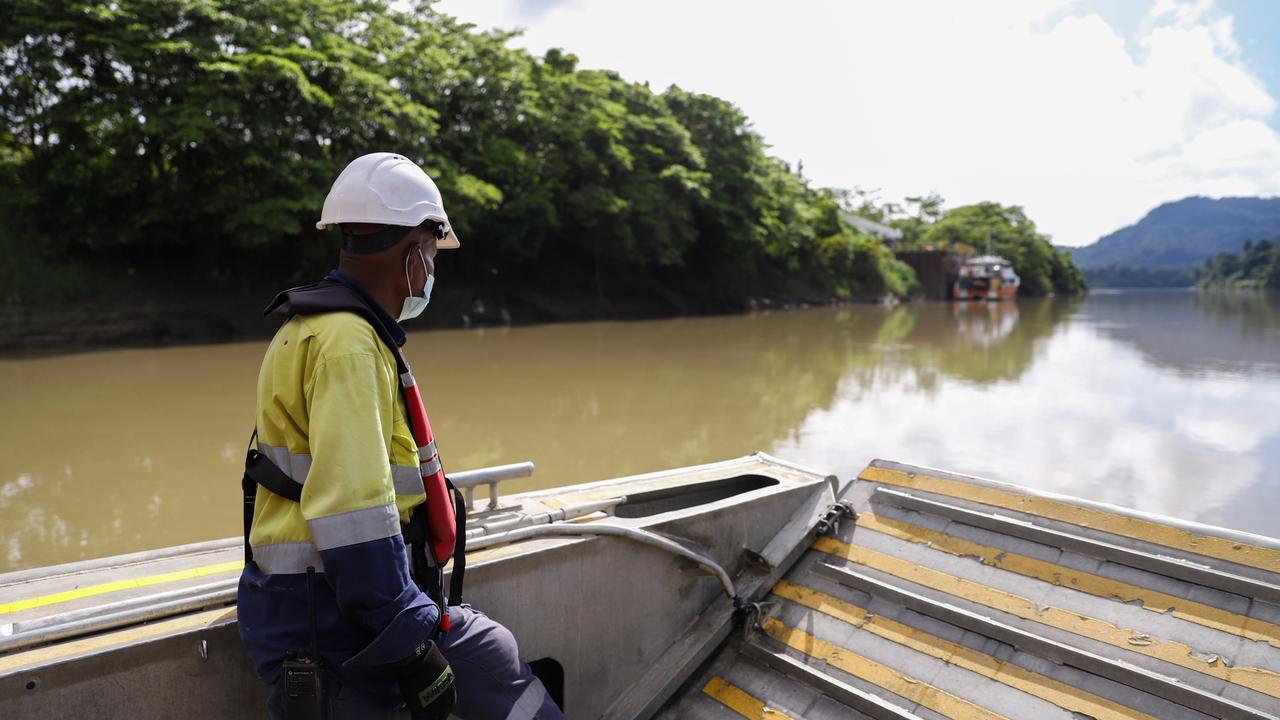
<point x="1185" y="233"/>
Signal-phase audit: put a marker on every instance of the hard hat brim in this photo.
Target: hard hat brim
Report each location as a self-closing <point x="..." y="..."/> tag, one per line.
<point x="449" y="241"/>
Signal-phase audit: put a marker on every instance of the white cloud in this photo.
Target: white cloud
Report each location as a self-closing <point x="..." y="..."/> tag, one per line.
<point x="1019" y="102"/>
<point x="1185" y="447"/>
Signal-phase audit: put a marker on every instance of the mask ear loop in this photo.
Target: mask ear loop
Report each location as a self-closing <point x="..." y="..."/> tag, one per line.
<point x="426" y="273"/>
<point x="408" y="282"/>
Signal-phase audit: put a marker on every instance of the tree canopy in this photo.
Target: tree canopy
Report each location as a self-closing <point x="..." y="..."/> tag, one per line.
<point x="1007" y="231"/>
<point x="137" y="133"/>
<point x="1256" y="267"/>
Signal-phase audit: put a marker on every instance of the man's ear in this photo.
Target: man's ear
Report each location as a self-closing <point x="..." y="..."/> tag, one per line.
<point x="411" y="249"/>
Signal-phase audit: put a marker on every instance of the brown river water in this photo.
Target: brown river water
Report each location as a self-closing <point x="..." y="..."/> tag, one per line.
<point x="1166" y="401"/>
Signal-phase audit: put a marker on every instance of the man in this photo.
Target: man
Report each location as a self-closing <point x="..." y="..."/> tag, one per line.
<point x="351" y="464"/>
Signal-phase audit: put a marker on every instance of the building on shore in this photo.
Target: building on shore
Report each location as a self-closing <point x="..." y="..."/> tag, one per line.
<point x="891" y="237"/>
<point x="938" y="270"/>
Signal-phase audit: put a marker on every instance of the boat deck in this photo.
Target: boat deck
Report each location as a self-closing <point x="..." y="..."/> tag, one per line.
<point x="160" y="581"/>
<point x="947" y="597"/>
<point x="952" y="597"/>
<point x="48" y="604"/>
<point x="155" y="635"/>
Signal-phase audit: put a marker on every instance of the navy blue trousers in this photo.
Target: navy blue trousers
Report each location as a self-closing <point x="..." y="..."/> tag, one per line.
<point x="491" y="680"/>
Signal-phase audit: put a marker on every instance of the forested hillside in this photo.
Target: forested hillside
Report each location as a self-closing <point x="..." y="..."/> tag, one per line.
<point x="1185" y="233"/>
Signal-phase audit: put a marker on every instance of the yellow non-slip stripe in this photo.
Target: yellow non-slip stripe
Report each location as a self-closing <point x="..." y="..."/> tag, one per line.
<point x="921" y="693"/>
<point x="43" y="657"/>
<point x="740" y="701"/>
<point x="1264" y="681"/>
<point x="1189" y="610"/>
<point x="1144" y="530"/>
<point x="117" y="585"/>
<point x="1016" y="677"/>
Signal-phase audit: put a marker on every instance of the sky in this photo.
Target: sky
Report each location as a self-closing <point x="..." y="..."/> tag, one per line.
<point x="1088" y="113"/>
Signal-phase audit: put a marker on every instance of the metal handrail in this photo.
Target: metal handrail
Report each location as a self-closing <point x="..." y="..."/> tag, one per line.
<point x="641" y="535"/>
<point x="23" y="634"/>
<point x="468" y="480"/>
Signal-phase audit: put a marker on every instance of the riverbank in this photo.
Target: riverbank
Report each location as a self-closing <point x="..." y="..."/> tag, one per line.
<point x="214" y="317"/>
<point x="1256" y="267"/>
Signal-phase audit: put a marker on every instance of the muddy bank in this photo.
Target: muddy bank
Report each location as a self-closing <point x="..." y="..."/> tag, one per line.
<point x="219" y="317"/>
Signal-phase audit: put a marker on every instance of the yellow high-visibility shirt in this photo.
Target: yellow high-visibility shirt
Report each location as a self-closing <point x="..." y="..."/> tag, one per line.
<point x="331" y="416"/>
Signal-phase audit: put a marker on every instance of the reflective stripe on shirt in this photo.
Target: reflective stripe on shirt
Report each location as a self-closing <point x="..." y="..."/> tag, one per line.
<point x="354" y="527"/>
<point x="287" y="558"/>
<point x="408" y="480"/>
<point x="295" y="465"/>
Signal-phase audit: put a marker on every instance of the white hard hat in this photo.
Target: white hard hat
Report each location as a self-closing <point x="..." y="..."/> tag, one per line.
<point x="386" y="189"/>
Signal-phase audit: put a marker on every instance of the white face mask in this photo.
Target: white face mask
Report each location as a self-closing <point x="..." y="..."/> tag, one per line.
<point x="415" y="304"/>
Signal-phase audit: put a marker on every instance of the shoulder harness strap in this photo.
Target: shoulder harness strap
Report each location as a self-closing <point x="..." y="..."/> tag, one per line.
<point x="259" y="470"/>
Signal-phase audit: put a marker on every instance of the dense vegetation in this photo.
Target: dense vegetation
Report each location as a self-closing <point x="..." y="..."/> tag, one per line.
<point x="166" y="133"/>
<point x="175" y="148"/>
<point x="1003" y="230"/>
<point x="1184" y="234"/>
<point x="1257" y="266"/>
<point x="925" y="222"/>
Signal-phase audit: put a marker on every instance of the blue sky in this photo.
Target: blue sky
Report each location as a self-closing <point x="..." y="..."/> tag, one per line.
<point x="1088" y="113"/>
<point x="1256" y="24"/>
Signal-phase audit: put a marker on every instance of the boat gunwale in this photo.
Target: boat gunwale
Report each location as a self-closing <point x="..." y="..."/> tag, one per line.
<point x="755" y="459"/>
<point x="1265" y="542"/>
<point x="140" y="557"/>
<point x="1178" y="568"/>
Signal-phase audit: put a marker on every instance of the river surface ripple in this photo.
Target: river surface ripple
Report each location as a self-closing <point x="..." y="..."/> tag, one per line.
<point x="1165" y="401"/>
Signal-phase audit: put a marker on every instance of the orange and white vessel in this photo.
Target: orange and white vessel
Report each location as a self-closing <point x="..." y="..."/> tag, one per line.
<point x="986" y="277"/>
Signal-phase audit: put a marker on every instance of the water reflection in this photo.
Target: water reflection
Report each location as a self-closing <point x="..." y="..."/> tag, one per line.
<point x="606" y="399"/>
<point x="1181" y="427"/>
<point x="113" y="452"/>
<point x="983" y="343"/>
<point x="1194" y="333"/>
<point x="1256" y="314"/>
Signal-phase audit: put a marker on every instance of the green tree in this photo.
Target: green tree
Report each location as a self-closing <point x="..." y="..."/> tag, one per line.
<point x="1008" y="232"/>
<point x="204" y="134"/>
<point x="1257" y="266"/>
<point x="180" y="126"/>
<point x="737" y="215"/>
<point x="921" y="212"/>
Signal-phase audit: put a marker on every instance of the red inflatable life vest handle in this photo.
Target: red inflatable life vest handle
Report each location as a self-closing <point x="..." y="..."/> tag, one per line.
<point x="441" y="521"/>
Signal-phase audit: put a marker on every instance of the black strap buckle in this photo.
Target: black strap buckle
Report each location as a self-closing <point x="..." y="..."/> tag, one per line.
<point x="259" y="470"/>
